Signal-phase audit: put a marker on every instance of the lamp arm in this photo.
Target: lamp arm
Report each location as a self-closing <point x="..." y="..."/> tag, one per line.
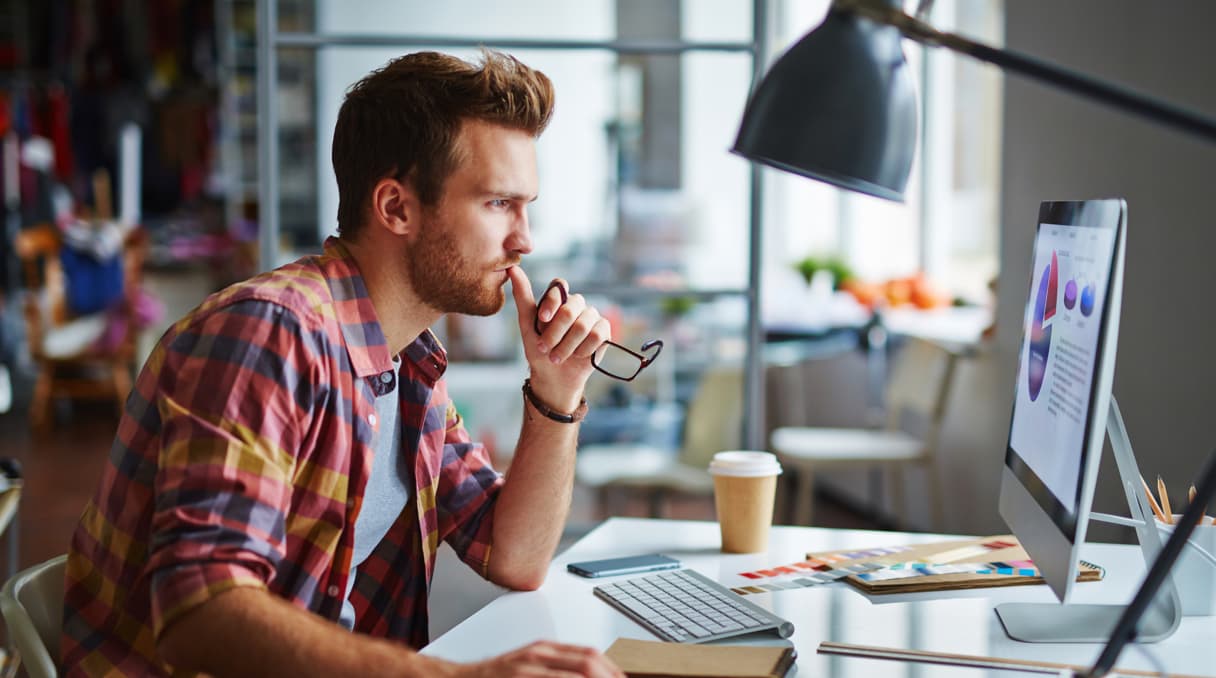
<point x="1078" y="83"/>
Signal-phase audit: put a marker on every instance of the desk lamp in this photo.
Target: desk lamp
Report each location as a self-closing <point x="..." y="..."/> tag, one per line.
<point x="839" y="105"/>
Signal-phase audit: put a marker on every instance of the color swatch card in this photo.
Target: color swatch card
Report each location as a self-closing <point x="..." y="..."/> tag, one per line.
<point x="938" y="566"/>
<point x="814" y="571"/>
<point x="908" y="570"/>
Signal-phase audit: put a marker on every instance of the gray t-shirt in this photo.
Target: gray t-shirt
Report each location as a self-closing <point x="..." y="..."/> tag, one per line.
<point x="388" y="489"/>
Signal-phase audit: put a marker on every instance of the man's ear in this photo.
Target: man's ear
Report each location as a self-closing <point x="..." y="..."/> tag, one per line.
<point x="395" y="206"/>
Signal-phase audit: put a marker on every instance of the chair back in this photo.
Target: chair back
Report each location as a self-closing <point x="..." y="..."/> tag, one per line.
<point x="715" y="416"/>
<point x="919" y="387"/>
<point x="43" y="276"/>
<point x="32" y="604"/>
<point x="38" y="249"/>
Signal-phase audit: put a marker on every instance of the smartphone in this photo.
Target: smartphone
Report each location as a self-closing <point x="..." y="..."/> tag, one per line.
<point x="627" y="565"/>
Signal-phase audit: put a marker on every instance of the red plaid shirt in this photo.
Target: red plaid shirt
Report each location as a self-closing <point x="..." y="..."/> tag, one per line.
<point x="241" y="460"/>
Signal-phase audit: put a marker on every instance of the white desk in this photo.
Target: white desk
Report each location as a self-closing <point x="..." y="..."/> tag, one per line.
<point x="566" y="610"/>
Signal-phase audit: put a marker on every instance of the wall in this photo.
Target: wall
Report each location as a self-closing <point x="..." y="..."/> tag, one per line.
<point x="1058" y="146"/>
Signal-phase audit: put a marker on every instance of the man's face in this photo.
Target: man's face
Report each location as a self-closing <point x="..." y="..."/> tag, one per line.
<point x="479" y="228"/>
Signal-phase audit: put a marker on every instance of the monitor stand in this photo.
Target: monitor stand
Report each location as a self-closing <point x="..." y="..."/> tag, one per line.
<point x="1085" y="623"/>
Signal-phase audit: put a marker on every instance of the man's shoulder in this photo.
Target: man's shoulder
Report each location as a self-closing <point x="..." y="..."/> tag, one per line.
<point x="300" y="287"/>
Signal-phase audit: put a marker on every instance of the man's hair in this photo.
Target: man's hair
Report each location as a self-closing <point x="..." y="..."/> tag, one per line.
<point x="402" y="121"/>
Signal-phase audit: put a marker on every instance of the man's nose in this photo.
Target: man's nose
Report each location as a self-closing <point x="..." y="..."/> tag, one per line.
<point x="520" y="239"/>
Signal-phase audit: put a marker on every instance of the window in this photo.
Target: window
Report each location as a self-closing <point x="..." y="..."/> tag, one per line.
<point x="947" y="229"/>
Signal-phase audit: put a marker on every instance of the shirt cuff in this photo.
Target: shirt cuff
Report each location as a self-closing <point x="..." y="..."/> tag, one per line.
<point x="179" y="589"/>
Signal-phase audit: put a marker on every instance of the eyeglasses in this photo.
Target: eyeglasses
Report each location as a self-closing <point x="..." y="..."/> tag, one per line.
<point x="611" y="358"/>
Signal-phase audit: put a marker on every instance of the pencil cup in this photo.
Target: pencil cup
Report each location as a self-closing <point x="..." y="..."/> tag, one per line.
<point x="745" y="485"/>
<point x="1194" y="576"/>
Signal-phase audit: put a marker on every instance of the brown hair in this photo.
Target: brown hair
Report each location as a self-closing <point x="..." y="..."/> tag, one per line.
<point x="403" y="119"/>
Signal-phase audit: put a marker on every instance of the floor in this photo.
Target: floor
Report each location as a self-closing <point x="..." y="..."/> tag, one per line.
<point x="60" y="471"/>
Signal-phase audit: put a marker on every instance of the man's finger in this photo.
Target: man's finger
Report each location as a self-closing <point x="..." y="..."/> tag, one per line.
<point x="521" y="290"/>
<point x="570" y="333"/>
<point x="595" y="338"/>
<point x="553" y="299"/>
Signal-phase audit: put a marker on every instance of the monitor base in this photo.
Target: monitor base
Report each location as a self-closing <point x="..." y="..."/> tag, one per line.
<point x="1087" y="623"/>
<point x="1075" y="623"/>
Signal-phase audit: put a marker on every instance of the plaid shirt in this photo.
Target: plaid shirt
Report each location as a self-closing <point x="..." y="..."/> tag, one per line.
<point x="241" y="460"/>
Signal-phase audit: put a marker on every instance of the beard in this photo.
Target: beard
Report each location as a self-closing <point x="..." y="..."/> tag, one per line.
<point x="446" y="280"/>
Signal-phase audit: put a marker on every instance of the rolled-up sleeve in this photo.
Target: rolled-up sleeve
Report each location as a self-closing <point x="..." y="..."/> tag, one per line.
<point x="235" y="394"/>
<point x="468" y="490"/>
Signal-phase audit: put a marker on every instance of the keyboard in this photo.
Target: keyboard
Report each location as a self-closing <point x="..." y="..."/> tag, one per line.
<point x="685" y="606"/>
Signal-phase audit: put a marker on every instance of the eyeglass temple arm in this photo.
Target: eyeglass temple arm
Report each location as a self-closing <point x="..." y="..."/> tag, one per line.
<point x="656" y="344"/>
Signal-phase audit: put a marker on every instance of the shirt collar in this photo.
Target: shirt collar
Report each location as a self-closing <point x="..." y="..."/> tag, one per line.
<point x="365" y="341"/>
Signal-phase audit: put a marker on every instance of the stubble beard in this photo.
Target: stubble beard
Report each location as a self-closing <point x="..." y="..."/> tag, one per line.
<point x="446" y="280"/>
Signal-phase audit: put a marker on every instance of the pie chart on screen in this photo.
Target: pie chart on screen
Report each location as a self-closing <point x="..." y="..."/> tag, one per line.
<point x="1040" y="327"/>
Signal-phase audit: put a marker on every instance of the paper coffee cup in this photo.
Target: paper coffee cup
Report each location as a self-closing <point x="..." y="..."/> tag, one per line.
<point x="745" y="485"/>
<point x="1194" y="576"/>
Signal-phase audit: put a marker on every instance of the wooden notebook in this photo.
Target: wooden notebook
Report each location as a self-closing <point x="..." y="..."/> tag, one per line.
<point x="1000" y="549"/>
<point x="653" y="659"/>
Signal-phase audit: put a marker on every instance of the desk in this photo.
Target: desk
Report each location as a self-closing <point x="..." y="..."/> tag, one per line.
<point x="565" y="609"/>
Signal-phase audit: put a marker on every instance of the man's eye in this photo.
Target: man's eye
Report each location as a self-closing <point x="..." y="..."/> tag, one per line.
<point x="500" y="203"/>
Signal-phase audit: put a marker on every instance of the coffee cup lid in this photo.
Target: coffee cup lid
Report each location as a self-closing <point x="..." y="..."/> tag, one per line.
<point x="745" y="464"/>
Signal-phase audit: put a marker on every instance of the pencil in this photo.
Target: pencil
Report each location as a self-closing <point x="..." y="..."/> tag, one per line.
<point x="1190" y="496"/>
<point x="1165" y="501"/>
<point x="1152" y="501"/>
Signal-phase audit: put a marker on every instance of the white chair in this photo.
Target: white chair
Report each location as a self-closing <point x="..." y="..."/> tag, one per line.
<point x="11" y="484"/>
<point x="10" y="496"/>
<point x="32" y="604"/>
<point x="915" y="395"/>
<point x="712" y="424"/>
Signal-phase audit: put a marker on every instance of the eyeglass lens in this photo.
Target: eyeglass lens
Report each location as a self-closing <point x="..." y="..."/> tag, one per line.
<point x="616" y="361"/>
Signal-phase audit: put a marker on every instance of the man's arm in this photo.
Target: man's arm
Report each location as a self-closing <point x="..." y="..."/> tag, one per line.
<point x="532" y="506"/>
<point x="247" y="631"/>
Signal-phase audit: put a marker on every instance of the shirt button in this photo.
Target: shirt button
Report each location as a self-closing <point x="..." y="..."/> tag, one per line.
<point x="386" y="377"/>
<point x="333" y="591"/>
<point x="371" y="419"/>
<point x="350" y="503"/>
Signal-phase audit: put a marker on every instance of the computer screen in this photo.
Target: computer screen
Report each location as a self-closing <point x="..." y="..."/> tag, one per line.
<point x="1065" y="369"/>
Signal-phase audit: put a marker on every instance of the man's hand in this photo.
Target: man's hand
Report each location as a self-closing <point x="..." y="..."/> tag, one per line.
<point x="246" y="631"/>
<point x="544" y="658"/>
<point x="560" y="356"/>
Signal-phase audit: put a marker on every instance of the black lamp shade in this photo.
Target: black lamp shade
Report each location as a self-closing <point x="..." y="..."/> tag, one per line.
<point x="838" y="107"/>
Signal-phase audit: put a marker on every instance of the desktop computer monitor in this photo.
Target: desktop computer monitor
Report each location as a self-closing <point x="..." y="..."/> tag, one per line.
<point x="1066" y="364"/>
<point x="1062" y="409"/>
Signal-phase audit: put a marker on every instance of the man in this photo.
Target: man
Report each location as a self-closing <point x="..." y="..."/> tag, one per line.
<point x="289" y="459"/>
